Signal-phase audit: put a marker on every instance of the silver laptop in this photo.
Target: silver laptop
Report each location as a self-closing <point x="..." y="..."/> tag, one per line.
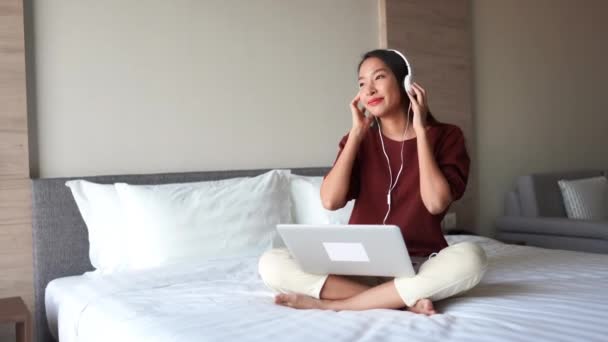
<point x="366" y="250"/>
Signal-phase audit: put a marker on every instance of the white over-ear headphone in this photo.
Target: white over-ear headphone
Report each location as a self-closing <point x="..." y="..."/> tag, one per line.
<point x="409" y="78"/>
<point x="407" y="84"/>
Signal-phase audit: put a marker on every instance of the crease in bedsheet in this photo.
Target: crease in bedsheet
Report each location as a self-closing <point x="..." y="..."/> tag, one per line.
<point x="99" y="298"/>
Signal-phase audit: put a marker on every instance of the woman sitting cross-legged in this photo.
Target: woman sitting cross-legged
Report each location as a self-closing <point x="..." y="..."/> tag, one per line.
<point x="402" y="151"/>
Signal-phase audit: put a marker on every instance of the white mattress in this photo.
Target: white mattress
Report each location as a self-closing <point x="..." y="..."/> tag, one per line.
<point x="529" y="294"/>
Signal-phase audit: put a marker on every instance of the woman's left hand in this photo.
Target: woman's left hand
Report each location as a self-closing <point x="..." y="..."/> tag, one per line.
<point x="419" y="106"/>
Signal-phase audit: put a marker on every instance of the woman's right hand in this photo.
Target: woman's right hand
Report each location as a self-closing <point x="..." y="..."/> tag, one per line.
<point x="361" y="123"/>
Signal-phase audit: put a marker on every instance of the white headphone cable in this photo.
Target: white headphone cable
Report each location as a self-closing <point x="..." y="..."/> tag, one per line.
<point x="392" y="186"/>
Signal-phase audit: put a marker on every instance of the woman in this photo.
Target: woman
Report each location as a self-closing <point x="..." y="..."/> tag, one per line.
<point x="429" y="168"/>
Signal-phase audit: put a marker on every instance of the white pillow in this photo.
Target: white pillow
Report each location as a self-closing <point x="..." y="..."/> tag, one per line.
<point x="307" y="207"/>
<point x="585" y="199"/>
<point x="232" y="217"/>
<point x="101" y="211"/>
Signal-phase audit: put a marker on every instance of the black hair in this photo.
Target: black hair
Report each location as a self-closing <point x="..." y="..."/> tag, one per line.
<point x="397" y="66"/>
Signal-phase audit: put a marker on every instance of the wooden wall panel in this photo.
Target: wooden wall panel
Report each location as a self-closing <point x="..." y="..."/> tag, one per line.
<point x="436" y="37"/>
<point x="15" y="199"/>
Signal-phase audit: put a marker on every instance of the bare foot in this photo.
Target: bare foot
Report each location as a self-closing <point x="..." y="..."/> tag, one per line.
<point x="298" y="301"/>
<point x="423" y="306"/>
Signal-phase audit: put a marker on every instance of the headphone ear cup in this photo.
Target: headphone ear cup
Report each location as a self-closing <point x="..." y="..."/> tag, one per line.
<point x="407" y="84"/>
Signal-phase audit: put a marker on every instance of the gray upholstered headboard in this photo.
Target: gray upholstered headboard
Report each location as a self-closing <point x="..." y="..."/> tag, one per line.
<point x="61" y="246"/>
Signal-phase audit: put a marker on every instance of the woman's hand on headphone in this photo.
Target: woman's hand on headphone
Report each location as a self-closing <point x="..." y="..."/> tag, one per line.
<point x="361" y="123"/>
<point x="420" y="107"/>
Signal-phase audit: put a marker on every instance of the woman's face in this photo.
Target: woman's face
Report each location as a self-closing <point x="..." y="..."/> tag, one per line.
<point x="378" y="88"/>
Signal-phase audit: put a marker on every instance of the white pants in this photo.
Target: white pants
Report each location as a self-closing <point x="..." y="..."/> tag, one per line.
<point x="454" y="270"/>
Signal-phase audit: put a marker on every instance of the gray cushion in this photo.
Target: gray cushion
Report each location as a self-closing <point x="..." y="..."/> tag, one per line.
<point x="512" y="206"/>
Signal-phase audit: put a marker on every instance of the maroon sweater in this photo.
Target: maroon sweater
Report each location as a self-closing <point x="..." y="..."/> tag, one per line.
<point x="369" y="183"/>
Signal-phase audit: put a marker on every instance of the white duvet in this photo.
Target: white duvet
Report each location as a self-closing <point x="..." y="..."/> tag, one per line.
<point x="528" y="294"/>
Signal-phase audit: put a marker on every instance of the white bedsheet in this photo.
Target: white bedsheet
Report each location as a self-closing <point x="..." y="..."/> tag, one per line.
<point x="528" y="294"/>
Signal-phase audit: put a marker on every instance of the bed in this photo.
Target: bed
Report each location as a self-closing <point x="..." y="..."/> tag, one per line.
<point x="529" y="293"/>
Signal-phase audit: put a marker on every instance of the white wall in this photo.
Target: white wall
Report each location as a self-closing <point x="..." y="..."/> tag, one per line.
<point x="540" y="92"/>
<point x="124" y="86"/>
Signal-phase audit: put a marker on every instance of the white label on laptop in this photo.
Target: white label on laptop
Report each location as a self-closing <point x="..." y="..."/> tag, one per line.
<point x="346" y="251"/>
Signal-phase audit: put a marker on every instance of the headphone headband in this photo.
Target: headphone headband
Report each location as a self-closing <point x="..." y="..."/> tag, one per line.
<point x="407" y="81"/>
